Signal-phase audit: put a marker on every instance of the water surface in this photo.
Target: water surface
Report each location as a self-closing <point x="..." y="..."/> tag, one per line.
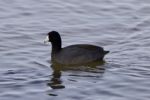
<point x="121" y="26"/>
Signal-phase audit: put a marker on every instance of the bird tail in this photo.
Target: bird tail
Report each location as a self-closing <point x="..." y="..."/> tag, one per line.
<point x="105" y="52"/>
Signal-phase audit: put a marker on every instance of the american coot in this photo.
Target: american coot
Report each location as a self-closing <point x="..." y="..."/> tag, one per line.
<point x="73" y="54"/>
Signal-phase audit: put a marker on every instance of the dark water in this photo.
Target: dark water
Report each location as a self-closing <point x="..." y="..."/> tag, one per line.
<point x="121" y="26"/>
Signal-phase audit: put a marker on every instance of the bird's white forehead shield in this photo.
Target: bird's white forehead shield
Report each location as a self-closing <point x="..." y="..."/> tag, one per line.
<point x="46" y="40"/>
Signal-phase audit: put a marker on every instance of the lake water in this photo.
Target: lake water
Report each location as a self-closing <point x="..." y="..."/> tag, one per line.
<point x="120" y="26"/>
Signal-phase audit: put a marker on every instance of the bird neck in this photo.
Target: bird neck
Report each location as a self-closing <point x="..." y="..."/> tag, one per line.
<point x="56" y="46"/>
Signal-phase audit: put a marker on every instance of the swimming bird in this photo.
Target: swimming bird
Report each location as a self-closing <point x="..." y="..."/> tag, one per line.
<point x="73" y="54"/>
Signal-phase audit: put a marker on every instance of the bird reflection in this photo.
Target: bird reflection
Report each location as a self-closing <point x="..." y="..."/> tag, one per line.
<point x="56" y="82"/>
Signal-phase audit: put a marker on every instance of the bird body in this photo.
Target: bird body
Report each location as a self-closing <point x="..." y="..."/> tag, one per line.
<point x="74" y="54"/>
